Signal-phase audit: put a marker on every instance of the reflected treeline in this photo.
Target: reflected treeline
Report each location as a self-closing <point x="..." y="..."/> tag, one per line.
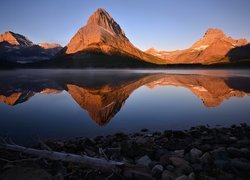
<point x="103" y="94"/>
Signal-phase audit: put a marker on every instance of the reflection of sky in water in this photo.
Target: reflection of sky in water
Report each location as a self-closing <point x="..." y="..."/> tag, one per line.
<point x="164" y="107"/>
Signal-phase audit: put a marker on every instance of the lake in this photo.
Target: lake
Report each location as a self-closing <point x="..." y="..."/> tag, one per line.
<point x="62" y="104"/>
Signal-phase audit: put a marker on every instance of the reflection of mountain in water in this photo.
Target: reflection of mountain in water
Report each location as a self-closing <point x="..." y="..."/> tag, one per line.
<point x="103" y="94"/>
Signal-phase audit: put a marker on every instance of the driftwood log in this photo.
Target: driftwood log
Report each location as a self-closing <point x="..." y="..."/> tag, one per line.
<point x="85" y="161"/>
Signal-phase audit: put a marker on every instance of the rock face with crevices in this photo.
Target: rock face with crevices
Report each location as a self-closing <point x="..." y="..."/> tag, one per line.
<point x="15" y="39"/>
<point x="104" y="35"/>
<point x="19" y="49"/>
<point x="212" y="48"/>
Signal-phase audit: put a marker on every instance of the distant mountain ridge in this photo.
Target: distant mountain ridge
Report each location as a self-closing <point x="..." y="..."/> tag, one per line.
<point x="15" y="39"/>
<point x="103" y="43"/>
<point x="19" y="49"/>
<point x="212" y="48"/>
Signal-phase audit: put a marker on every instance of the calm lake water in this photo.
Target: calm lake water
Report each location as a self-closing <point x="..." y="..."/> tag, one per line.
<point x="71" y="103"/>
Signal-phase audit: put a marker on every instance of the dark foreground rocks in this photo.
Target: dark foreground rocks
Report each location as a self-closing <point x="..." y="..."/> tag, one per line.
<point x="198" y="153"/>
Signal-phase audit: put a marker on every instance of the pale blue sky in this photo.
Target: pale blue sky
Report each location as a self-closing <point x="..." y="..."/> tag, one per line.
<point x="163" y="24"/>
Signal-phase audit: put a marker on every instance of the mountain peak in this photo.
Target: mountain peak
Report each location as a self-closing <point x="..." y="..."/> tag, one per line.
<point x="15" y="39"/>
<point x="102" y="18"/>
<point x="217" y="31"/>
<point x="210" y="36"/>
<point x="151" y="51"/>
<point x="214" y="33"/>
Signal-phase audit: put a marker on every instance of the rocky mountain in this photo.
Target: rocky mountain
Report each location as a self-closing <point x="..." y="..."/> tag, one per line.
<point x="19" y="49"/>
<point x="103" y="43"/>
<point x="212" y="48"/>
<point x="103" y="35"/>
<point x="15" y="39"/>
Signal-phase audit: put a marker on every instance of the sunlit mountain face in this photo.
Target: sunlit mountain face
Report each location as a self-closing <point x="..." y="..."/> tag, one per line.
<point x="104" y="94"/>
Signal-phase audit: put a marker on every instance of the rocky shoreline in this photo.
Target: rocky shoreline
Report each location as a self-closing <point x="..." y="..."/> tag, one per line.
<point x="198" y="153"/>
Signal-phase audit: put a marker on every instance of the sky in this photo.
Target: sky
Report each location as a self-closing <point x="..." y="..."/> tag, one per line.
<point x="162" y="24"/>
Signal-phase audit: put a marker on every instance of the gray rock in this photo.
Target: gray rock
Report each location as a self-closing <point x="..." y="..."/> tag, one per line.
<point x="160" y="152"/>
<point x="191" y="176"/>
<point x="164" y="160"/>
<point x="235" y="152"/>
<point x="157" y="169"/>
<point x="144" y="161"/>
<point x="141" y="140"/>
<point x="222" y="164"/>
<point x="209" y="178"/>
<point x="243" y="165"/>
<point x="59" y="176"/>
<point x="233" y="138"/>
<point x="183" y="169"/>
<point x="195" y="154"/>
<point x="183" y="177"/>
<point x="167" y="175"/>
<point x="197" y="167"/>
<point x="179" y="153"/>
<point x="176" y="161"/>
<point x="152" y="164"/>
<point x="170" y="168"/>
<point x="206" y="158"/>
<point x="244" y="152"/>
<point x="220" y="154"/>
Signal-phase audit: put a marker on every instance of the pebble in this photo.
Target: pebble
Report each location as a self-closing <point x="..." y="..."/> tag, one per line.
<point x="157" y="169"/>
<point x="183" y="177"/>
<point x="170" y="155"/>
<point x="206" y="158"/>
<point x="195" y="155"/>
<point x="176" y="161"/>
<point x="144" y="161"/>
<point x="167" y="175"/>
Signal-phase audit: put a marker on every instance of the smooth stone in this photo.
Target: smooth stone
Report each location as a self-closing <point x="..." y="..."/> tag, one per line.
<point x="144" y="161"/>
<point x="183" y="169"/>
<point x="197" y="167"/>
<point x="164" y="160"/>
<point x="244" y="152"/>
<point x="170" y="168"/>
<point x="220" y="154"/>
<point x="152" y="164"/>
<point x="241" y="164"/>
<point x="206" y="158"/>
<point x="59" y="176"/>
<point x="191" y="176"/>
<point x="222" y="164"/>
<point x="157" y="169"/>
<point x="209" y="178"/>
<point x="179" y="153"/>
<point x="195" y="154"/>
<point x="235" y="152"/>
<point x="141" y="140"/>
<point x="167" y="175"/>
<point x="233" y="138"/>
<point x="183" y="177"/>
<point x="176" y="161"/>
